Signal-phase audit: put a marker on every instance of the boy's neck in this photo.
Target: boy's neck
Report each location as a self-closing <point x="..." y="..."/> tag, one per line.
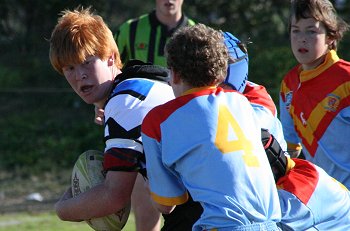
<point x="170" y="20"/>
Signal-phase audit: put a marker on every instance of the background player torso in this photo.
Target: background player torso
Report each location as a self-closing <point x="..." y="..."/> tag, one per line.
<point x="319" y="106"/>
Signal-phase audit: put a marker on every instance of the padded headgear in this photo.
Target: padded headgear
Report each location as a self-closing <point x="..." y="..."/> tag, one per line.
<point x="237" y="72"/>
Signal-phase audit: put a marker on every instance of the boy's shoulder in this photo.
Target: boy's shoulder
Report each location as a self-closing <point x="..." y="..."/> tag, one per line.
<point x="291" y="78"/>
<point x="344" y="64"/>
<point x="128" y="22"/>
<point x="292" y="72"/>
<point x="140" y="86"/>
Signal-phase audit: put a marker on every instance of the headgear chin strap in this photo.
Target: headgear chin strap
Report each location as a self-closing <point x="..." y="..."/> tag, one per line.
<point x="237" y="71"/>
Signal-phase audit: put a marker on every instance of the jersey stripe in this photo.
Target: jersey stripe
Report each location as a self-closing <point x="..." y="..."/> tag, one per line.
<point x="162" y="41"/>
<point x="135" y="87"/>
<point x="132" y="34"/>
<point x="152" y="40"/>
<point x="170" y="201"/>
<point x="320" y="117"/>
<point x="124" y="143"/>
<point x="148" y="128"/>
<point x="121" y="159"/>
<point x="116" y="130"/>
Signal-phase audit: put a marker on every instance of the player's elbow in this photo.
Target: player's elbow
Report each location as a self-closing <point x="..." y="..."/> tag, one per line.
<point x="63" y="213"/>
<point x="60" y="212"/>
<point x="164" y="208"/>
<point x="62" y="216"/>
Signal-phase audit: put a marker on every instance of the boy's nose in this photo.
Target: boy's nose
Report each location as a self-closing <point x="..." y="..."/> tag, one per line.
<point x="302" y="37"/>
<point x="80" y="74"/>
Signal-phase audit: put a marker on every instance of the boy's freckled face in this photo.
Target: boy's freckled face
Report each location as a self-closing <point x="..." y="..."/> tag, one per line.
<point x="309" y="42"/>
<point x="91" y="80"/>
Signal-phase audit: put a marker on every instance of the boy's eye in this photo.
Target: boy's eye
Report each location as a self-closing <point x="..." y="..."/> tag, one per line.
<point x="68" y="68"/>
<point x="88" y="61"/>
<point x="311" y="32"/>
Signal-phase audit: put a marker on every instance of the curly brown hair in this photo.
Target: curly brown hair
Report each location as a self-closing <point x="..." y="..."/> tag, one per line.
<point x="198" y="54"/>
<point x="323" y="11"/>
<point x="78" y="34"/>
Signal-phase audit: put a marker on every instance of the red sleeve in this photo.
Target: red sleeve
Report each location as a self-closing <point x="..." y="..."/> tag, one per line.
<point x="257" y="94"/>
<point x="122" y="159"/>
<point x="300" y="180"/>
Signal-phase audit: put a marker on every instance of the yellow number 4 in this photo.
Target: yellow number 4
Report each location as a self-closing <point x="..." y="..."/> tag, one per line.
<point x="225" y="145"/>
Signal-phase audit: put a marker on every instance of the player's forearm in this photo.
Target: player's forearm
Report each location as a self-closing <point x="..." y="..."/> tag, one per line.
<point x="97" y="202"/>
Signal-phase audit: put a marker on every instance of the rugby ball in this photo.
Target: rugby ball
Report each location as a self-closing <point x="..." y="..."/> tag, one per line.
<point x="87" y="172"/>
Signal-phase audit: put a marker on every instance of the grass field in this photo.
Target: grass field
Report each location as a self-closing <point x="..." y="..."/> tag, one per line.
<point x="46" y="221"/>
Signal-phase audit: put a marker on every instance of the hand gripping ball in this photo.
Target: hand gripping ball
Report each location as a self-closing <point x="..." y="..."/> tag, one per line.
<point x="87" y="172"/>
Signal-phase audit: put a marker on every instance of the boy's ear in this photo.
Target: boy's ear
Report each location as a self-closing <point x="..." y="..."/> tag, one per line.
<point x="110" y="60"/>
<point x="330" y="42"/>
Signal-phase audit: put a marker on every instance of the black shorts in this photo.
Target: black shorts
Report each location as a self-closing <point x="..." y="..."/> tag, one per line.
<point x="183" y="216"/>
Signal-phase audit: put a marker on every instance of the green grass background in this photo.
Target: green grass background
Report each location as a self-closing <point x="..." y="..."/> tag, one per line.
<point x="47" y="221"/>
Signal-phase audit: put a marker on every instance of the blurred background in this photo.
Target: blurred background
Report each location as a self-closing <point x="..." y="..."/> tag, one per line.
<point x="44" y="126"/>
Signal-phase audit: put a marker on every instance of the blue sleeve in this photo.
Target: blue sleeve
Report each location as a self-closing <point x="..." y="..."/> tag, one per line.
<point x="289" y="132"/>
<point x="165" y="186"/>
<point x="295" y="214"/>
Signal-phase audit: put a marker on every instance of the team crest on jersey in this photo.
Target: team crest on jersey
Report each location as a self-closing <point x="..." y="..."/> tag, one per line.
<point x="289" y="96"/>
<point x="332" y="102"/>
<point x="141" y="46"/>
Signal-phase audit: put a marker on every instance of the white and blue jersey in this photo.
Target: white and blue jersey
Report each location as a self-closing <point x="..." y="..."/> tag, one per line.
<point x="209" y="143"/>
<point x="130" y="100"/>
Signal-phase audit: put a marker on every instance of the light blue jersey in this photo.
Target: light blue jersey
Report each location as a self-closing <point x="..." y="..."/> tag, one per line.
<point x="208" y="142"/>
<point x="312" y="200"/>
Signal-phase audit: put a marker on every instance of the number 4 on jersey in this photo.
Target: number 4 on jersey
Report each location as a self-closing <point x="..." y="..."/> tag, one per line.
<point x="225" y="145"/>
